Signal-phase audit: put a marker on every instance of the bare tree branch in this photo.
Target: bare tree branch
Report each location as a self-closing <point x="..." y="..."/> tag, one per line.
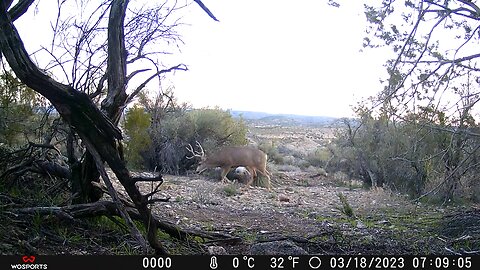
<point x="206" y="9"/>
<point x="19" y="9"/>
<point x="142" y="85"/>
<point x="113" y="193"/>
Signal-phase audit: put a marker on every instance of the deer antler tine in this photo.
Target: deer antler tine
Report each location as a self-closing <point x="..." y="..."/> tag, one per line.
<point x="202" y="153"/>
<point x="189" y="148"/>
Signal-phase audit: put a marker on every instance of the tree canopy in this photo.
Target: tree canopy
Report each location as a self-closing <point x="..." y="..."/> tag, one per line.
<point x="437" y="57"/>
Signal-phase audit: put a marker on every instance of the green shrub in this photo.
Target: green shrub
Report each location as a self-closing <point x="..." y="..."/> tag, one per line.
<point x="219" y="126"/>
<point x="21" y="111"/>
<point x="230" y="190"/>
<point x="418" y="153"/>
<point x="303" y="164"/>
<point x="174" y="127"/>
<point x="319" y="157"/>
<point x="346" y="208"/>
<point x="287" y="160"/>
<point x="137" y="122"/>
<point x="272" y="152"/>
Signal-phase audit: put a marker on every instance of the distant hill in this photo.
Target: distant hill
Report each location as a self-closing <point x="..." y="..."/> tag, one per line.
<point x="284" y="119"/>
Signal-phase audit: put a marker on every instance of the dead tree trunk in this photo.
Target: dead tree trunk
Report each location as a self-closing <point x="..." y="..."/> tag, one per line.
<point x="95" y="129"/>
<point x="82" y="174"/>
<point x="86" y="172"/>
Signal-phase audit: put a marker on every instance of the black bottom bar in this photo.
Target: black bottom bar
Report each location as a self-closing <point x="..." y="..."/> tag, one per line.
<point x="240" y="262"/>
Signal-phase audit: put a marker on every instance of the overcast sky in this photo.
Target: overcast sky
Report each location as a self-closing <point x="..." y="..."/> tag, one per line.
<point x="276" y="56"/>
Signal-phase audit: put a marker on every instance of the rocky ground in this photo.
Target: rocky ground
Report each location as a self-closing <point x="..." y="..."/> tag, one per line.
<point x="305" y="212"/>
<point x="302" y="214"/>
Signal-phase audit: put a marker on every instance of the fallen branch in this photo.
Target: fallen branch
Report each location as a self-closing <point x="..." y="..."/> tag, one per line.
<point x="134" y="231"/>
<point x="109" y="208"/>
<point x="157" y="178"/>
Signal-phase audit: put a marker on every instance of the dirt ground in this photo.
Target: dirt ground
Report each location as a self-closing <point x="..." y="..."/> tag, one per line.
<point x="302" y="208"/>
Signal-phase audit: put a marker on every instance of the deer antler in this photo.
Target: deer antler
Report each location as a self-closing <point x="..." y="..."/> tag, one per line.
<point x="200" y="154"/>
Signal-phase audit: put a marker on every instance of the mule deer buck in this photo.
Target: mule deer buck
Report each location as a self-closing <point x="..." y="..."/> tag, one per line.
<point x="253" y="159"/>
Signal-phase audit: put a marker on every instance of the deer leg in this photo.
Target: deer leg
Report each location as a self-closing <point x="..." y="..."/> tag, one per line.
<point x="224" y="173"/>
<point x="252" y="174"/>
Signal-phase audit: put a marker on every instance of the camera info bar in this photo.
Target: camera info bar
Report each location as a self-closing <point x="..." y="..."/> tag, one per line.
<point x="238" y="262"/>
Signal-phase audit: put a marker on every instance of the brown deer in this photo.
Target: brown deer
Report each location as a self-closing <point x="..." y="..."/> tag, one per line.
<point x="230" y="156"/>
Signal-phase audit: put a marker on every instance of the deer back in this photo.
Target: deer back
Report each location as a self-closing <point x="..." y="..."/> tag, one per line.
<point x="237" y="156"/>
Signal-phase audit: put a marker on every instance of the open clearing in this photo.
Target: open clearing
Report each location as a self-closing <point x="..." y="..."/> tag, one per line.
<point x="304" y="210"/>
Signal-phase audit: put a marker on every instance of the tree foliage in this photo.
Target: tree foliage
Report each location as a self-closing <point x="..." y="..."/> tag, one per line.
<point x="423" y="126"/>
<point x="174" y="126"/>
<point x="414" y="156"/>
<point x="436" y="48"/>
<point x="20" y="110"/>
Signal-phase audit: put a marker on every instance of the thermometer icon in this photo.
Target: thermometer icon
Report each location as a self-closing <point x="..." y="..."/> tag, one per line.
<point x="213" y="262"/>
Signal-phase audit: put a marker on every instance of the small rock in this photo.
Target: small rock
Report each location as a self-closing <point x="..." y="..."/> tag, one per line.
<point x="283" y="198"/>
<point x="277" y="248"/>
<point x="170" y="213"/>
<point x="369" y="238"/>
<point x="383" y="222"/>
<point x="217" y="250"/>
<point x="360" y="224"/>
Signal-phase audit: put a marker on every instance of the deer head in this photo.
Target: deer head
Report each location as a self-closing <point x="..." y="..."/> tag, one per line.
<point x="200" y="154"/>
